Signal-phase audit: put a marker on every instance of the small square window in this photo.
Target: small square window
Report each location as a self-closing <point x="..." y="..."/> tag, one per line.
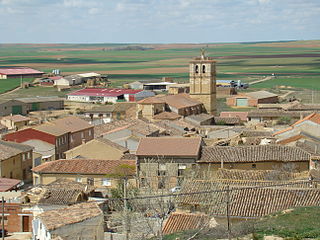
<point x="254" y="166"/>
<point x="78" y="179"/>
<point x="106" y="182"/>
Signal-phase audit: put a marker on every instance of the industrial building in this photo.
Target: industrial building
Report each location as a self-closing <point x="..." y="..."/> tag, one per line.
<point x="112" y="95"/>
<point x="16" y="72"/>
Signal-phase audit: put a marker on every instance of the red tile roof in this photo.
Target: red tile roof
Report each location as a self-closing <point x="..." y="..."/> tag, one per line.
<point x="105" y="92"/>
<point x="84" y="166"/>
<point x="167" y="146"/>
<point x="242" y="115"/>
<point x="18" y="71"/>
<point x="179" y="221"/>
<point x="16" y="118"/>
<point x="7" y="184"/>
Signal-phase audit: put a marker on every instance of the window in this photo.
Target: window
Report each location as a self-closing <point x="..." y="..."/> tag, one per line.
<point x="106" y="182"/>
<point x="181" y="169"/>
<point x="196" y="69"/>
<point x="162" y="169"/>
<point x="203" y="69"/>
<point x="71" y="138"/>
<point x="29" y="155"/>
<point x="23" y="157"/>
<point x="90" y="181"/>
<point x="5" y="220"/>
<point x="78" y="179"/>
<point x="254" y="166"/>
<point x="82" y="135"/>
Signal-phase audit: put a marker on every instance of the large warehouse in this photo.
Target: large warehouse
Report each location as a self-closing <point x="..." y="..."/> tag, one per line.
<point x="108" y="95"/>
<point x="15" y="72"/>
<point x="252" y="99"/>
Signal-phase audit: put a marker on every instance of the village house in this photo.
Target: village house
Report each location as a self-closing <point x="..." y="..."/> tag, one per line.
<point x="252" y="99"/>
<point x="306" y="128"/>
<point x="25" y="105"/>
<point x="9" y="184"/>
<point x="16" y="219"/>
<point x="261" y="157"/>
<point x="179" y="88"/>
<point x="15" y="161"/>
<point x="242" y="115"/>
<point x="80" y="221"/>
<point x="42" y="151"/>
<point x="110" y="112"/>
<point x="275" y="116"/>
<point x="64" y="134"/>
<point x="97" y="148"/>
<point x="98" y="173"/>
<point x="15" y="122"/>
<point x="111" y="95"/>
<point x="56" y="195"/>
<point x="163" y="161"/>
<point x="246" y="201"/>
<point x="127" y="133"/>
<point x="173" y="106"/>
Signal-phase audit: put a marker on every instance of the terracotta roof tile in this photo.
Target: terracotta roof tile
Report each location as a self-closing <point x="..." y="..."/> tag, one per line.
<point x="167" y="116"/>
<point x="7" y="184"/>
<point x="76" y="213"/>
<point x="16" y="118"/>
<point x="180" y="101"/>
<point x="242" y="115"/>
<point x="64" y="125"/>
<point x="179" y="221"/>
<point x="167" y="146"/>
<point x="151" y="100"/>
<point x="247" y="201"/>
<point x="261" y="153"/>
<point x="83" y="166"/>
<point x="10" y="149"/>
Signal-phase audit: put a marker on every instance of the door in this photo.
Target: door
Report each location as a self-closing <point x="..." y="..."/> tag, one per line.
<point x="25" y="224"/>
<point x="242" y="102"/>
<point x="17" y="109"/>
<point x="35" y="106"/>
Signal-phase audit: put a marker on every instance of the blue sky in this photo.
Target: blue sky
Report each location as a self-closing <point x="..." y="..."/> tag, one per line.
<point x="157" y="21"/>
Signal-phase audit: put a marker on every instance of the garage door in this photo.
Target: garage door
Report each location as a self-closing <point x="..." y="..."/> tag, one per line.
<point x="17" y="109"/>
<point x="242" y="102"/>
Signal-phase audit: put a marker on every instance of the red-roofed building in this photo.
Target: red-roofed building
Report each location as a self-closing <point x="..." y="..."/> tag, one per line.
<point x="108" y="95"/>
<point x="14" y="72"/>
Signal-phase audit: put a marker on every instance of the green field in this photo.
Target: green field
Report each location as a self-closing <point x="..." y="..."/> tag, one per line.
<point x="296" y="63"/>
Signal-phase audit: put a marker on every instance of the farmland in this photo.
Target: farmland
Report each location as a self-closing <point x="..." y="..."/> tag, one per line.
<point x="295" y="63"/>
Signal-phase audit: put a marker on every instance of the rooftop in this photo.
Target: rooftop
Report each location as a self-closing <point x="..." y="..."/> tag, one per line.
<point x="260" y="153"/>
<point x="167" y="116"/>
<point x="77" y="213"/>
<point x="64" y="125"/>
<point x="7" y="184"/>
<point x="39" y="99"/>
<point x="180" y="101"/>
<point x="242" y="115"/>
<point x="18" y="71"/>
<point x="16" y="118"/>
<point x="104" y="92"/>
<point x="84" y="166"/>
<point x="169" y="146"/>
<point x="180" y="221"/>
<point x="10" y="149"/>
<point x="260" y="94"/>
<point x="247" y="201"/>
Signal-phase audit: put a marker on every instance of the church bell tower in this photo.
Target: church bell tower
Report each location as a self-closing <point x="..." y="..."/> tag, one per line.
<point x="203" y="81"/>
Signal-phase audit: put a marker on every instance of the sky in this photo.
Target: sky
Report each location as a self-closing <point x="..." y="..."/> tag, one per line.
<point x="157" y="21"/>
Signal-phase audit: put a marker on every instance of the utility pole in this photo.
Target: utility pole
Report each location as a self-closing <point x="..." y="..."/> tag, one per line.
<point x="228" y="212"/>
<point x="2" y="199"/>
<point x="125" y="206"/>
